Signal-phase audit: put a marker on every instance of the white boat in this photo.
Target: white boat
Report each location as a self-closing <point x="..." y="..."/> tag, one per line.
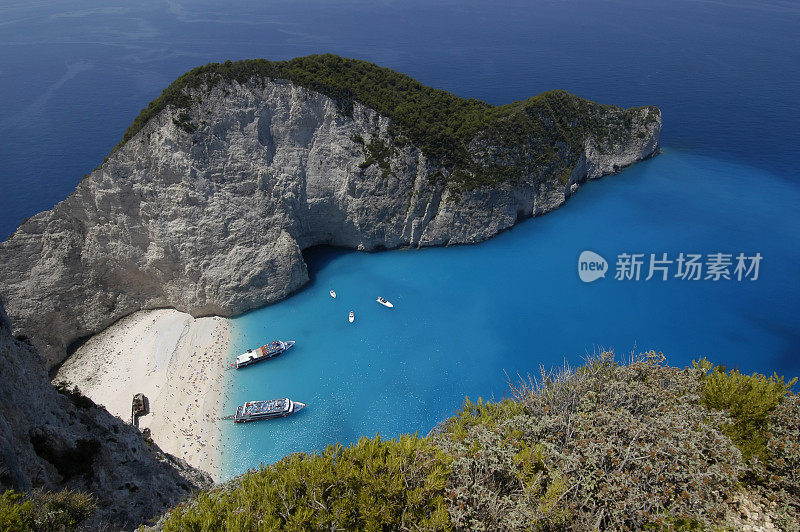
<point x="333" y="294"/>
<point x="255" y="410"/>
<point x="352" y="316"/>
<point x="384" y="302"/>
<point x="264" y="352"/>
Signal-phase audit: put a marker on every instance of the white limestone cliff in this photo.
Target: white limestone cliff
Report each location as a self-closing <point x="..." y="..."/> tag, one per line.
<point x="215" y="221"/>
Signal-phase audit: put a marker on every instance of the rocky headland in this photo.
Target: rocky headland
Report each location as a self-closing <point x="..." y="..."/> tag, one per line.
<point x="222" y="182"/>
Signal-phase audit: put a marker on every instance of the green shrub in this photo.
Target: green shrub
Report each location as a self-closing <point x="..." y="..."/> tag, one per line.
<point x="16" y="512"/>
<point x="488" y="414"/>
<point x="605" y="445"/>
<point x="379" y="152"/>
<point x="75" y="395"/>
<point x="748" y="399"/>
<point x="44" y="511"/>
<point x="372" y="485"/>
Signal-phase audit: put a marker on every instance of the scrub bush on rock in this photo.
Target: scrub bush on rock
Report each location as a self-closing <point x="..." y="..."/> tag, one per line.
<point x="605" y="446"/>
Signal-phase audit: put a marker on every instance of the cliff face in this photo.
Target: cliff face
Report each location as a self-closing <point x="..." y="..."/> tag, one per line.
<point x="207" y="209"/>
<point x="57" y="440"/>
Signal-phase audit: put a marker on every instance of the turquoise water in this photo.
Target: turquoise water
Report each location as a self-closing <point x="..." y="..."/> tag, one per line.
<point x="467" y="316"/>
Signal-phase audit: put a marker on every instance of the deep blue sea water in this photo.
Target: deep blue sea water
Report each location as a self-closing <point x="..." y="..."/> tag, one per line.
<point x="725" y="74"/>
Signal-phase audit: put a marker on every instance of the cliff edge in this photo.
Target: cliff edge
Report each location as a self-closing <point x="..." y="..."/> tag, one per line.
<point x="236" y="168"/>
<point x="57" y="440"/>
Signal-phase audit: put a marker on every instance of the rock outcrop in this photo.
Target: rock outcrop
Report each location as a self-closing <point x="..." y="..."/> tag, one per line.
<point x="56" y="440"/>
<point x="207" y="209"/>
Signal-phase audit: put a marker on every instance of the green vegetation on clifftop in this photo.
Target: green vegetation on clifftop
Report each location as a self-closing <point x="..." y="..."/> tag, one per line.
<point x="441" y="124"/>
<point x="41" y="511"/>
<point x="748" y="399"/>
<point x="604" y="446"/>
<point x="373" y="485"/>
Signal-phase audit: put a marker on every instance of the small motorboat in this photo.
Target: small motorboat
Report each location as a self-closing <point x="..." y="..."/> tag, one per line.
<point x="383" y="301"/>
<point x="352" y="317"/>
<point x="333" y="294"/>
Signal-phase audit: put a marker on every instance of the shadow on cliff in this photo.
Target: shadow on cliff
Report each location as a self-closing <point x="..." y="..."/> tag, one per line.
<point x="318" y="257"/>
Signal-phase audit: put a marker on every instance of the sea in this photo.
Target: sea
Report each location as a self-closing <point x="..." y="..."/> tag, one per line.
<point x="722" y="197"/>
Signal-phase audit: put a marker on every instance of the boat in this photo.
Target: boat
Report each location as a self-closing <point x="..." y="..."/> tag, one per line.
<point x="333" y="294"/>
<point x="264" y="352"/>
<point x="270" y="409"/>
<point x="140" y="406"/>
<point x="352" y="316"/>
<point x="384" y="302"/>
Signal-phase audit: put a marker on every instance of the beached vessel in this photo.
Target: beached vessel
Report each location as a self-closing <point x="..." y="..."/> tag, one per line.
<point x="140" y="406"/>
<point x="383" y="301"/>
<point x="270" y="409"/>
<point x="264" y="352"/>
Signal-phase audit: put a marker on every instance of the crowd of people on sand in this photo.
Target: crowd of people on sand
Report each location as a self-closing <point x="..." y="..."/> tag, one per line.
<point x="176" y="361"/>
<point x="194" y="430"/>
<point x="195" y="422"/>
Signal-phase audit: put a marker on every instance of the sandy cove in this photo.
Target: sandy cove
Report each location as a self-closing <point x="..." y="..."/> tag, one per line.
<point x="177" y="361"/>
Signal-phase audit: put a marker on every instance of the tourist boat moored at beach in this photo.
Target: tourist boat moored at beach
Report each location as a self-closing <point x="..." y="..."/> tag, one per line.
<point x="352" y="317"/>
<point x="272" y="408"/>
<point x="264" y="352"/>
<point x="383" y="301"/>
<point x="333" y="294"/>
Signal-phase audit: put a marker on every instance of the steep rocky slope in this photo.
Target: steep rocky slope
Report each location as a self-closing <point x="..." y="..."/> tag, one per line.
<point x="209" y="202"/>
<point x="57" y="440"/>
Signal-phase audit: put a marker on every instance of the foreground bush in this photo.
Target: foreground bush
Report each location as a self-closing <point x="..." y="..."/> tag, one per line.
<point x="606" y="446"/>
<point x="372" y="485"/>
<point x="748" y="399"/>
<point x="44" y="511"/>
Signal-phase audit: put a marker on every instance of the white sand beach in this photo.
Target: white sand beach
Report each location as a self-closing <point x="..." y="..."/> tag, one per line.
<point x="177" y="361"/>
